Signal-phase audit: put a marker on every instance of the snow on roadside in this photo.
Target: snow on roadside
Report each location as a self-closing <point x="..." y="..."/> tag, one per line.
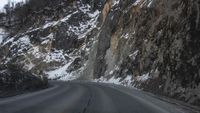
<point x="128" y="81"/>
<point x="143" y="78"/>
<point x="68" y="77"/>
<point x="59" y="72"/>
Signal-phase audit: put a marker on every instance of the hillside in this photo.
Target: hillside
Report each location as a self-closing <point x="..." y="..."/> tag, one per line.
<point x="149" y="44"/>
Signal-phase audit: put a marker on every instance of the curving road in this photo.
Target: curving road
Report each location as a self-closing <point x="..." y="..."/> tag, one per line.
<point x="83" y="97"/>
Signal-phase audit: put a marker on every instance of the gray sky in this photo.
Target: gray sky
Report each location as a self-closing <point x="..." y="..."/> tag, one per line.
<point x="3" y="2"/>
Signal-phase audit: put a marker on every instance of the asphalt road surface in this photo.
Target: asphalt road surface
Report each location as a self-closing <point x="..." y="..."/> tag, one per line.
<point x="83" y="97"/>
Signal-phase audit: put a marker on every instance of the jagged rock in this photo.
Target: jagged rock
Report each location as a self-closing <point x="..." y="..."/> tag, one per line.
<point x="75" y="65"/>
<point x="154" y="37"/>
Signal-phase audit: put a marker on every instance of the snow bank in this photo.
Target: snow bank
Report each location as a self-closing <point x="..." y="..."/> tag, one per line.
<point x="61" y="73"/>
<point x="58" y="72"/>
<point x="128" y="81"/>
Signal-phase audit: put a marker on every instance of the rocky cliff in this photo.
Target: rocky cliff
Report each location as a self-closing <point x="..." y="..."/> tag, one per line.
<point x="149" y="44"/>
<point x="155" y="42"/>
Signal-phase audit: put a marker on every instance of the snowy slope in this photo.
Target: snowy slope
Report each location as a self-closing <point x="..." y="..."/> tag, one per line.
<point x="39" y="49"/>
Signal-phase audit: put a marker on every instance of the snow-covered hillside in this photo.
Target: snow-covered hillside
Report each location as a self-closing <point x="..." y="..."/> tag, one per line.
<point x="54" y="48"/>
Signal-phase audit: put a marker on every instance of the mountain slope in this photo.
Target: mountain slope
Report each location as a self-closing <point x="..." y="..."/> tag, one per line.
<point x="40" y="45"/>
<point x="149" y="44"/>
<point x="54" y="44"/>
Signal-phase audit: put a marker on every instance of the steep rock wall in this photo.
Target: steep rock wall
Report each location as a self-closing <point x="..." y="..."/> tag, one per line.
<point x="157" y="38"/>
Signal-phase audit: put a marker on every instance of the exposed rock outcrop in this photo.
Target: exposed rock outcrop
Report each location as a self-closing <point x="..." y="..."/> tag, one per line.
<point x="155" y="39"/>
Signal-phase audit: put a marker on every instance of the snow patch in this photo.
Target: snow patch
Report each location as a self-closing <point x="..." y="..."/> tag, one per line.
<point x="127" y="81"/>
<point x="142" y="3"/>
<point x="35" y="52"/>
<point x="68" y="17"/>
<point x="115" y="2"/>
<point x="150" y="3"/>
<point x="47" y="39"/>
<point x="21" y="45"/>
<point x="50" y="24"/>
<point x="112" y="80"/>
<point x="56" y="56"/>
<point x="143" y="78"/>
<point x="23" y="41"/>
<point x="111" y="72"/>
<point x="137" y="2"/>
<point x="85" y="8"/>
<point x="133" y="56"/>
<point x="29" y="66"/>
<point x="119" y="81"/>
<point x="60" y="72"/>
<point x="7" y="41"/>
<point x="126" y="36"/>
<point x="85" y="27"/>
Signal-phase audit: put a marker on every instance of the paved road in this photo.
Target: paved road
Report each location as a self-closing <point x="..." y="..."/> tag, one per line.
<point x="82" y="97"/>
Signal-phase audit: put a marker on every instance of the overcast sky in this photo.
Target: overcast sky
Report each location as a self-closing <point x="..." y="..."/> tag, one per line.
<point x="3" y="2"/>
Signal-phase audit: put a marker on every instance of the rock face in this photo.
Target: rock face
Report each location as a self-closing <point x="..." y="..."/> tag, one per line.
<point x="154" y="39"/>
<point x="152" y="43"/>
